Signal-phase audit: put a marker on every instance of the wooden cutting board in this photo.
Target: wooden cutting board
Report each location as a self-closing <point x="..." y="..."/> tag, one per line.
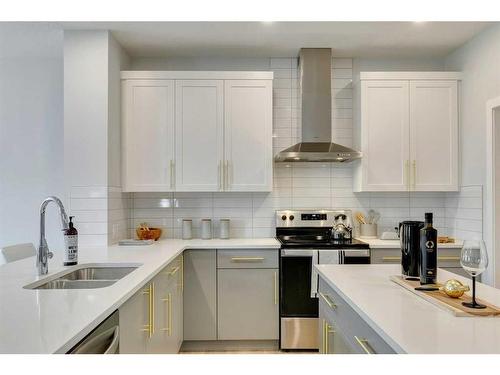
<point x="440" y="299"/>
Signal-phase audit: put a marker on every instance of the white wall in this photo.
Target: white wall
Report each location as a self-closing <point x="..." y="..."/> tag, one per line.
<point x="478" y="60"/>
<point x="31" y="133"/>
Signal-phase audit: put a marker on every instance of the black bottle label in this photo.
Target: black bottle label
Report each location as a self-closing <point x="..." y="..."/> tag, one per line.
<point x="428" y="255"/>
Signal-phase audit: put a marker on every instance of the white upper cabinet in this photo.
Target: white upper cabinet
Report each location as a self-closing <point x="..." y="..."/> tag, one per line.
<point x="408" y="128"/>
<point x="197" y="131"/>
<point x="385" y="135"/>
<point x="148" y="116"/>
<point x="434" y="135"/>
<point x="248" y="135"/>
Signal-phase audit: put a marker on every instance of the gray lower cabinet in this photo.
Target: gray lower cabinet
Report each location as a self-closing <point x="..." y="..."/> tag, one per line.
<point x="347" y="331"/>
<point x="247" y="304"/>
<point x="200" y="295"/>
<point x="151" y="320"/>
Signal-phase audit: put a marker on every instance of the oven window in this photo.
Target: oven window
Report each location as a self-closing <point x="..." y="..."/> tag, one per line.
<point x="295" y="292"/>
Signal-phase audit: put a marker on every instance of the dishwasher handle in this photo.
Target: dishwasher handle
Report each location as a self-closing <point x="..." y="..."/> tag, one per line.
<point x="99" y="344"/>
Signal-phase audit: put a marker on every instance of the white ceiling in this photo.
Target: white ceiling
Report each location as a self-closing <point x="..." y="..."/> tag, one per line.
<point x="264" y="39"/>
<point x="250" y="39"/>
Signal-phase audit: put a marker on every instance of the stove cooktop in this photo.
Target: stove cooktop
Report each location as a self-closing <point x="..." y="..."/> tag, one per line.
<point x="319" y="242"/>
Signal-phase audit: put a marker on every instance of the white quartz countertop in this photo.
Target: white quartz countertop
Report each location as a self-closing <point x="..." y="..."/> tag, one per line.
<point x="407" y="322"/>
<point x="376" y="243"/>
<point x="53" y="321"/>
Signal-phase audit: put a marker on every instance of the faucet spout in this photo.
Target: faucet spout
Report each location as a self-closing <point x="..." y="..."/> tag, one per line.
<point x="43" y="255"/>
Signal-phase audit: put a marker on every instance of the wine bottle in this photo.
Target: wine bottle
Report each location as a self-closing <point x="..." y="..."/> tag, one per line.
<point x="428" y="252"/>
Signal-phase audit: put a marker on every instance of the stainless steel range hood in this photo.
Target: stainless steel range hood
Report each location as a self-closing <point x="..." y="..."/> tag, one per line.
<point x="316" y="94"/>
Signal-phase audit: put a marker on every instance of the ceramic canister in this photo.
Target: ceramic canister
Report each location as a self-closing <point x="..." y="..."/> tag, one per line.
<point x="206" y="229"/>
<point x="187" y="229"/>
<point x="224" y="228"/>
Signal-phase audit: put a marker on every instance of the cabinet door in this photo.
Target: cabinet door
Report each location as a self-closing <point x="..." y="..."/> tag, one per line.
<point x="200" y="295"/>
<point x="134" y="321"/>
<point x="247" y="304"/>
<point x="199" y="139"/>
<point x="434" y="135"/>
<point x="148" y="135"/>
<point x="332" y="339"/>
<point x="248" y="135"/>
<point x="385" y="135"/>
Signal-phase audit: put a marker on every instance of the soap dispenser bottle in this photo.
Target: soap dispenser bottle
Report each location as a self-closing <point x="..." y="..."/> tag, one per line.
<point x="71" y="244"/>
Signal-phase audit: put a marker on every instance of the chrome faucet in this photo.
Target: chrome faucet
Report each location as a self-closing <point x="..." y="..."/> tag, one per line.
<point x="43" y="255"/>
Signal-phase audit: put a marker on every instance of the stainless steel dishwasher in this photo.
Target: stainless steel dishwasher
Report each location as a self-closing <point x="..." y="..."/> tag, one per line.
<point x="104" y="339"/>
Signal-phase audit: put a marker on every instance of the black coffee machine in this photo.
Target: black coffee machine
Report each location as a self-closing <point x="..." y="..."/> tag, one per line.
<point x="409" y="237"/>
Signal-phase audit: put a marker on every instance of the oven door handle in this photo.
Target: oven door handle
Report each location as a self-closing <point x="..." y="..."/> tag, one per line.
<point x="298" y="253"/>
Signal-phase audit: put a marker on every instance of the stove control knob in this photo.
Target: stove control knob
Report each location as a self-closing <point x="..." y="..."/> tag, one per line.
<point x="283" y="217"/>
<point x="292" y="217"/>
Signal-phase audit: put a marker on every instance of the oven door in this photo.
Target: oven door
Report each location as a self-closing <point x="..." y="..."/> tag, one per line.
<point x="298" y="310"/>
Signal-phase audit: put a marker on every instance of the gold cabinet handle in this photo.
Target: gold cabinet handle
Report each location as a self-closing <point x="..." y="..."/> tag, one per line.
<point x="391" y="259"/>
<point x="150" y="292"/>
<point x="182" y="273"/>
<point x="226" y="175"/>
<point x="220" y="174"/>
<point x="173" y="271"/>
<point x="448" y="258"/>
<point x="414" y="165"/>
<point x="328" y="300"/>
<point x="168" y="300"/>
<point x="171" y="174"/>
<point x="275" y="287"/>
<point x="327" y="330"/>
<point x="247" y="259"/>
<point x="364" y="345"/>
<point x="406" y="172"/>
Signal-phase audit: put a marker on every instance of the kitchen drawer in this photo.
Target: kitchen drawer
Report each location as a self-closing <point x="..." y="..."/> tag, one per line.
<point x="446" y="257"/>
<point x="361" y="337"/>
<point x="247" y="258"/>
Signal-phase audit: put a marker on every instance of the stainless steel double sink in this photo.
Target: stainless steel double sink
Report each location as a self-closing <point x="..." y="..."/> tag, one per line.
<point x="86" y="276"/>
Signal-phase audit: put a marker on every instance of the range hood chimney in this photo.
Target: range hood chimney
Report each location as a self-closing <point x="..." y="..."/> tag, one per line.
<point x="315" y="66"/>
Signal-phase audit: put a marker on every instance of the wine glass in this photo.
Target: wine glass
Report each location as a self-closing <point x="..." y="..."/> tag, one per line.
<point x="474" y="260"/>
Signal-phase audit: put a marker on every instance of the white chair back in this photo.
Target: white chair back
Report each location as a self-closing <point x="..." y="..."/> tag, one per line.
<point x="16" y="252"/>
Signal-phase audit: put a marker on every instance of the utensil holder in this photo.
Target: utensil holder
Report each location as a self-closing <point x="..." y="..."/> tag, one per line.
<point x="368" y="230"/>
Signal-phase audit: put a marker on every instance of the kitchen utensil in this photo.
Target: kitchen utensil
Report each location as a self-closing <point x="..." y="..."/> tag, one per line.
<point x="474" y="260"/>
<point x="371" y="215"/>
<point x="376" y="217"/>
<point x="148" y="233"/>
<point x="454" y="288"/>
<point x="426" y="288"/>
<point x="360" y="218"/>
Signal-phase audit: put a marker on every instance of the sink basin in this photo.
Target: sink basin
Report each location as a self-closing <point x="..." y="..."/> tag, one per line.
<point x="98" y="273"/>
<point x="76" y="284"/>
<point x="86" y="277"/>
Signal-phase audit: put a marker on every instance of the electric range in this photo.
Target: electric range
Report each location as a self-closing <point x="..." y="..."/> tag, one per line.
<point x="308" y="238"/>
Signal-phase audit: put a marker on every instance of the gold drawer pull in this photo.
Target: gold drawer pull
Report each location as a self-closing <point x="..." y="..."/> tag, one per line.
<point x="391" y="259"/>
<point x="328" y="300"/>
<point x="168" y="300"/>
<point x="275" y="287"/>
<point x="364" y="345"/>
<point x="173" y="271"/>
<point x="247" y="259"/>
<point x="150" y="292"/>
<point x="449" y="258"/>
